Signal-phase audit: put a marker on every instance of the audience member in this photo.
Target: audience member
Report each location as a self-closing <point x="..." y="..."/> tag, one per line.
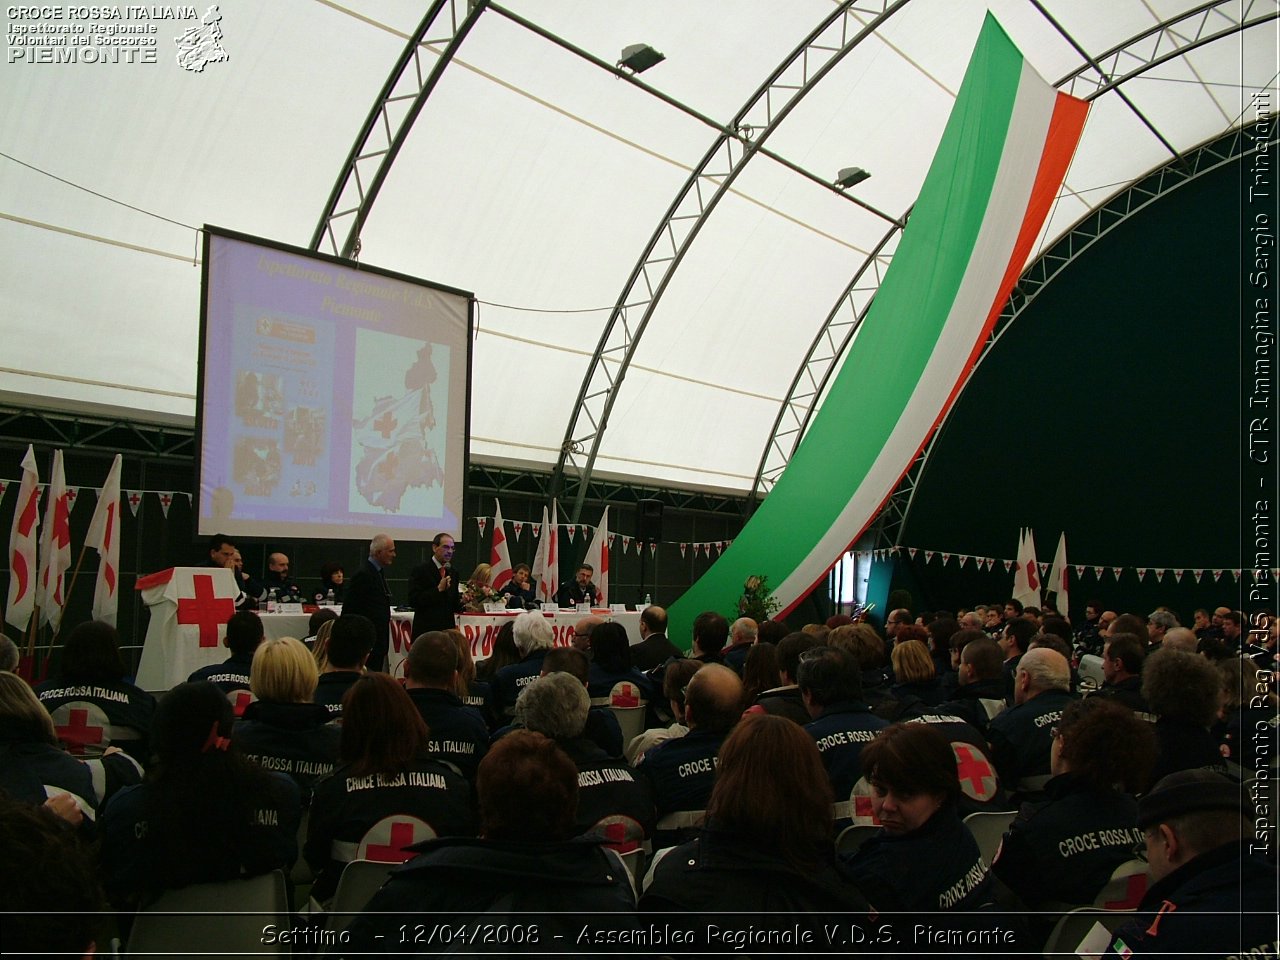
<point x="842" y="722"/>
<point x="503" y="654"/>
<point x="319" y="618"/>
<point x="231" y="676"/>
<point x="349" y="644"/>
<point x="1014" y="643"/>
<point x="524" y="861"/>
<point x="469" y="688"/>
<point x="786" y="699"/>
<point x="742" y="636"/>
<point x="1180" y="638"/>
<point x="917" y="685"/>
<point x="611" y="664"/>
<point x="710" y="633"/>
<point x="914" y="788"/>
<point x="9" y="656"/>
<point x="456" y="733"/>
<point x="759" y="672"/>
<point x="92" y="705"/>
<point x="1022" y="736"/>
<point x="532" y="636"/>
<point x="940" y="632"/>
<point x="981" y="694"/>
<point x="682" y="770"/>
<point x="767" y="847"/>
<point x="654" y="648"/>
<point x="1065" y="848"/>
<point x="52" y="912"/>
<point x="1209" y="894"/>
<point x="613" y="801"/>
<point x="320" y="649"/>
<point x="203" y="814"/>
<point x="772" y="631"/>
<point x="674" y="684"/>
<point x="388" y="793"/>
<point x="1181" y="689"/>
<point x="1122" y="657"/>
<point x="284" y="729"/>
<point x="1246" y="733"/>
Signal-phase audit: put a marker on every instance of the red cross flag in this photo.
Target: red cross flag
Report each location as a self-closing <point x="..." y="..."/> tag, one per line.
<point x="104" y="536"/>
<point x="598" y="557"/>
<point x="22" y="545"/>
<point x="546" y="565"/>
<point x="55" y="548"/>
<point x="499" y="555"/>
<point x="189" y="608"/>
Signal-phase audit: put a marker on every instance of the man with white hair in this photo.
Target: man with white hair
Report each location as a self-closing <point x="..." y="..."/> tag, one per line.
<point x="742" y="635"/>
<point x="369" y="596"/>
<point x="1022" y="736"/>
<point x="532" y="634"/>
<point x="1158" y="624"/>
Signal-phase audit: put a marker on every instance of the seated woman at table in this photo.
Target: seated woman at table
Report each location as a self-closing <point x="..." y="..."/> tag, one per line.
<point x="204" y="814"/>
<point x="518" y="590"/>
<point x="332" y="578"/>
<point x="92" y="673"/>
<point x="283" y="729"/>
<point x="476" y="591"/>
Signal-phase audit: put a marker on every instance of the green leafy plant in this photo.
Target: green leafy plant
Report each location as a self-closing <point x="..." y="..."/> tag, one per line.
<point x="757" y="601"/>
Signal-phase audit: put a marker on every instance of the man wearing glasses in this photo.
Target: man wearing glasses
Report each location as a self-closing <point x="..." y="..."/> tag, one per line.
<point x="433" y="592"/>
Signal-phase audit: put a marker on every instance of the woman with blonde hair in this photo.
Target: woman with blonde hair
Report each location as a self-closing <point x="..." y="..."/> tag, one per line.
<point x="917" y="683"/>
<point x="476" y="592"/>
<point x="284" y="729"/>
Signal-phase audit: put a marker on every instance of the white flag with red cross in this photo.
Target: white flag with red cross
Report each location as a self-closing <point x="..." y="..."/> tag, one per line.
<point x="55" y="548"/>
<point x="1058" y="576"/>
<point x="189" y="607"/>
<point x="499" y="555"/>
<point x="1026" y="578"/>
<point x="546" y="565"/>
<point x="104" y="536"/>
<point x="598" y="556"/>
<point x="22" y="546"/>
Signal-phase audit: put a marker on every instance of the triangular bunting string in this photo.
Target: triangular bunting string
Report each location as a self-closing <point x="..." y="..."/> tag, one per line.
<point x="481" y="522"/>
<point x="653" y="548"/>
<point x="684" y="548"/>
<point x="134" y="499"/>
<point x="166" y="501"/>
<point x="73" y="494"/>
<point x="518" y="525"/>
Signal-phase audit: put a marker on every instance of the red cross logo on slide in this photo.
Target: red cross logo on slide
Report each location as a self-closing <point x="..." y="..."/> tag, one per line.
<point x="977" y="778"/>
<point x="400" y="832"/>
<point x="385" y="425"/>
<point x="78" y="733"/>
<point x="206" y="610"/>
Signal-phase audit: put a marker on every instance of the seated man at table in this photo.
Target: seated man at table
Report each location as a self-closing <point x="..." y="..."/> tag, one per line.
<point x="244" y="633"/>
<point x="580" y="589"/>
<point x="278" y="578"/>
<point x="223" y="553"/>
<point x="348" y="651"/>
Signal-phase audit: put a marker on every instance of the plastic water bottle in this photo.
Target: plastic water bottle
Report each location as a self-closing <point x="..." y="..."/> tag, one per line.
<point x="648" y="600"/>
<point x="328" y="598"/>
<point x="271" y="600"/>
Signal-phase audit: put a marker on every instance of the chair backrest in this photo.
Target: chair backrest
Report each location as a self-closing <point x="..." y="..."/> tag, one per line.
<point x="1090" y="669"/>
<point x="989" y="829"/>
<point x="360" y="880"/>
<point x="302" y="873"/>
<point x="1084" y="932"/>
<point x="205" y="915"/>
<point x="851" y="838"/>
<point x="1125" y="889"/>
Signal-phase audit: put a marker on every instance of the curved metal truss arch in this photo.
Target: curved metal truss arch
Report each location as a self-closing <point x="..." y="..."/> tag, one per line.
<point x="1122" y="63"/>
<point x="825" y="46"/>
<point x="389" y="121"/>
<point x="1241" y="142"/>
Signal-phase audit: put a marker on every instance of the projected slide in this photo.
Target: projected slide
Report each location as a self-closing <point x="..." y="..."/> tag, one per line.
<point x="333" y="400"/>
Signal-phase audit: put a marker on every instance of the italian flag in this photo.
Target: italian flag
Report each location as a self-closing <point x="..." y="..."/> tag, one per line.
<point x="1003" y="156"/>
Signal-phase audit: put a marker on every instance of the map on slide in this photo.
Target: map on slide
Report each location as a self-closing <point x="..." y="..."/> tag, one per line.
<point x="392" y="444"/>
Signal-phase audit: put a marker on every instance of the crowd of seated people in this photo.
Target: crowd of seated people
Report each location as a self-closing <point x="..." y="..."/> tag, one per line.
<point x="756" y="754"/>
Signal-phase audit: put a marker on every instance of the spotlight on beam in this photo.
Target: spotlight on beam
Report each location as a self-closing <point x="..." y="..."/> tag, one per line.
<point x="639" y="57"/>
<point x="851" y="177"/>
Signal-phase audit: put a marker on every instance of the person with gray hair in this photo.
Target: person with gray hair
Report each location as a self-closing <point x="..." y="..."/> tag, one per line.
<point x="1180" y="638"/>
<point x="613" y="800"/>
<point x="9" y="655"/>
<point x="1022" y="736"/>
<point x="1158" y="624"/>
<point x="742" y="635"/>
<point x="532" y="635"/>
<point x="1181" y="689"/>
<point x="369" y="596"/>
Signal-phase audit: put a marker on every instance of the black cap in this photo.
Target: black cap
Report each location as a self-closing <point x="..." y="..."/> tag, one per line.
<point x="1188" y="791"/>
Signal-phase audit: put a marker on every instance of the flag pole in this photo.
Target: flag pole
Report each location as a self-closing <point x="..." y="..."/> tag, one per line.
<point x="74" y="573"/>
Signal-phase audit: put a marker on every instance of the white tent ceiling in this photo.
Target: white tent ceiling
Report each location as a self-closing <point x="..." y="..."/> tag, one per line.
<point x="535" y="179"/>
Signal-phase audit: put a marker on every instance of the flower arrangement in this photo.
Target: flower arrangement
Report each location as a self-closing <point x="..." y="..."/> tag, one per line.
<point x="476" y="595"/>
<point x="757" y="601"/>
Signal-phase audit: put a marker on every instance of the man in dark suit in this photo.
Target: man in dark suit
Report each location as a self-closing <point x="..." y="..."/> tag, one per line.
<point x="654" y="648"/>
<point x="369" y="596"/>
<point x="433" y="592"/>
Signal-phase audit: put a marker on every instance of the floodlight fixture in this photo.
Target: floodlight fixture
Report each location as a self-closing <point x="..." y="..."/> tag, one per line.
<point x="639" y="57"/>
<point x="850" y="177"/>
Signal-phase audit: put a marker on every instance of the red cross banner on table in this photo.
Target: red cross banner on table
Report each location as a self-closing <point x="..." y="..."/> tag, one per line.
<point x="189" y="607"/>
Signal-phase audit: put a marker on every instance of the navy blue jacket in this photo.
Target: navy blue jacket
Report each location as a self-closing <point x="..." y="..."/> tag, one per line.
<point x="229" y="675"/>
<point x="291" y="738"/>
<point x="332" y="687"/>
<point x="683" y="771"/>
<point x="514" y="677"/>
<point x="1021" y="739"/>
<point x="458" y="733"/>
<point x="114" y="714"/>
<point x="841" y="731"/>
<point x="1235" y="891"/>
